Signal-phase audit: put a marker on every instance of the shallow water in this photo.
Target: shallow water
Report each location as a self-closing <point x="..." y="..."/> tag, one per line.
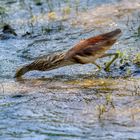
<point x="74" y="102"/>
<point x="86" y="108"/>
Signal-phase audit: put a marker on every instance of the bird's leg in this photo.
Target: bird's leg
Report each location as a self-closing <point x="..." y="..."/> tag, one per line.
<point x="96" y="65"/>
<point x="116" y="55"/>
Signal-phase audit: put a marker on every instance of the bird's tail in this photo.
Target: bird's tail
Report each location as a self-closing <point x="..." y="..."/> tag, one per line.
<point x="22" y="71"/>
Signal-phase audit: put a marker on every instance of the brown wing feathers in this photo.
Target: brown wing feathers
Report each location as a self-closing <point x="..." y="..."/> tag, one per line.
<point x="93" y="46"/>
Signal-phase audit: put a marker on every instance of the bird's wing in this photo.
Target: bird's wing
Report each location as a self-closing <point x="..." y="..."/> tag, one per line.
<point x="94" y="45"/>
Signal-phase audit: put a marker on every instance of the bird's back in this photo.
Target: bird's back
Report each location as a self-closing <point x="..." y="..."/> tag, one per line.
<point x="92" y="48"/>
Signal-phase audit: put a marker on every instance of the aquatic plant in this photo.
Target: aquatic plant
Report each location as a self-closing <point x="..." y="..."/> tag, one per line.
<point x="138" y="31"/>
<point x="137" y="59"/>
<point x="66" y="12"/>
<point x="50" y="5"/>
<point x="2" y="13"/>
<point x="108" y="98"/>
<point x="123" y="56"/>
<point x="52" y="15"/>
<point x="77" y="3"/>
<point x="2" y="10"/>
<point x="102" y="109"/>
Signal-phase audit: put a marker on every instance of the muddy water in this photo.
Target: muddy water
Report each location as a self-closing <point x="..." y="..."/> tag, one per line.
<point x="74" y="102"/>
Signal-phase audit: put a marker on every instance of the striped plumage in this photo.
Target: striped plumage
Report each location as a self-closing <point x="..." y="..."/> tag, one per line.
<point x="44" y="63"/>
<point x="86" y="51"/>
